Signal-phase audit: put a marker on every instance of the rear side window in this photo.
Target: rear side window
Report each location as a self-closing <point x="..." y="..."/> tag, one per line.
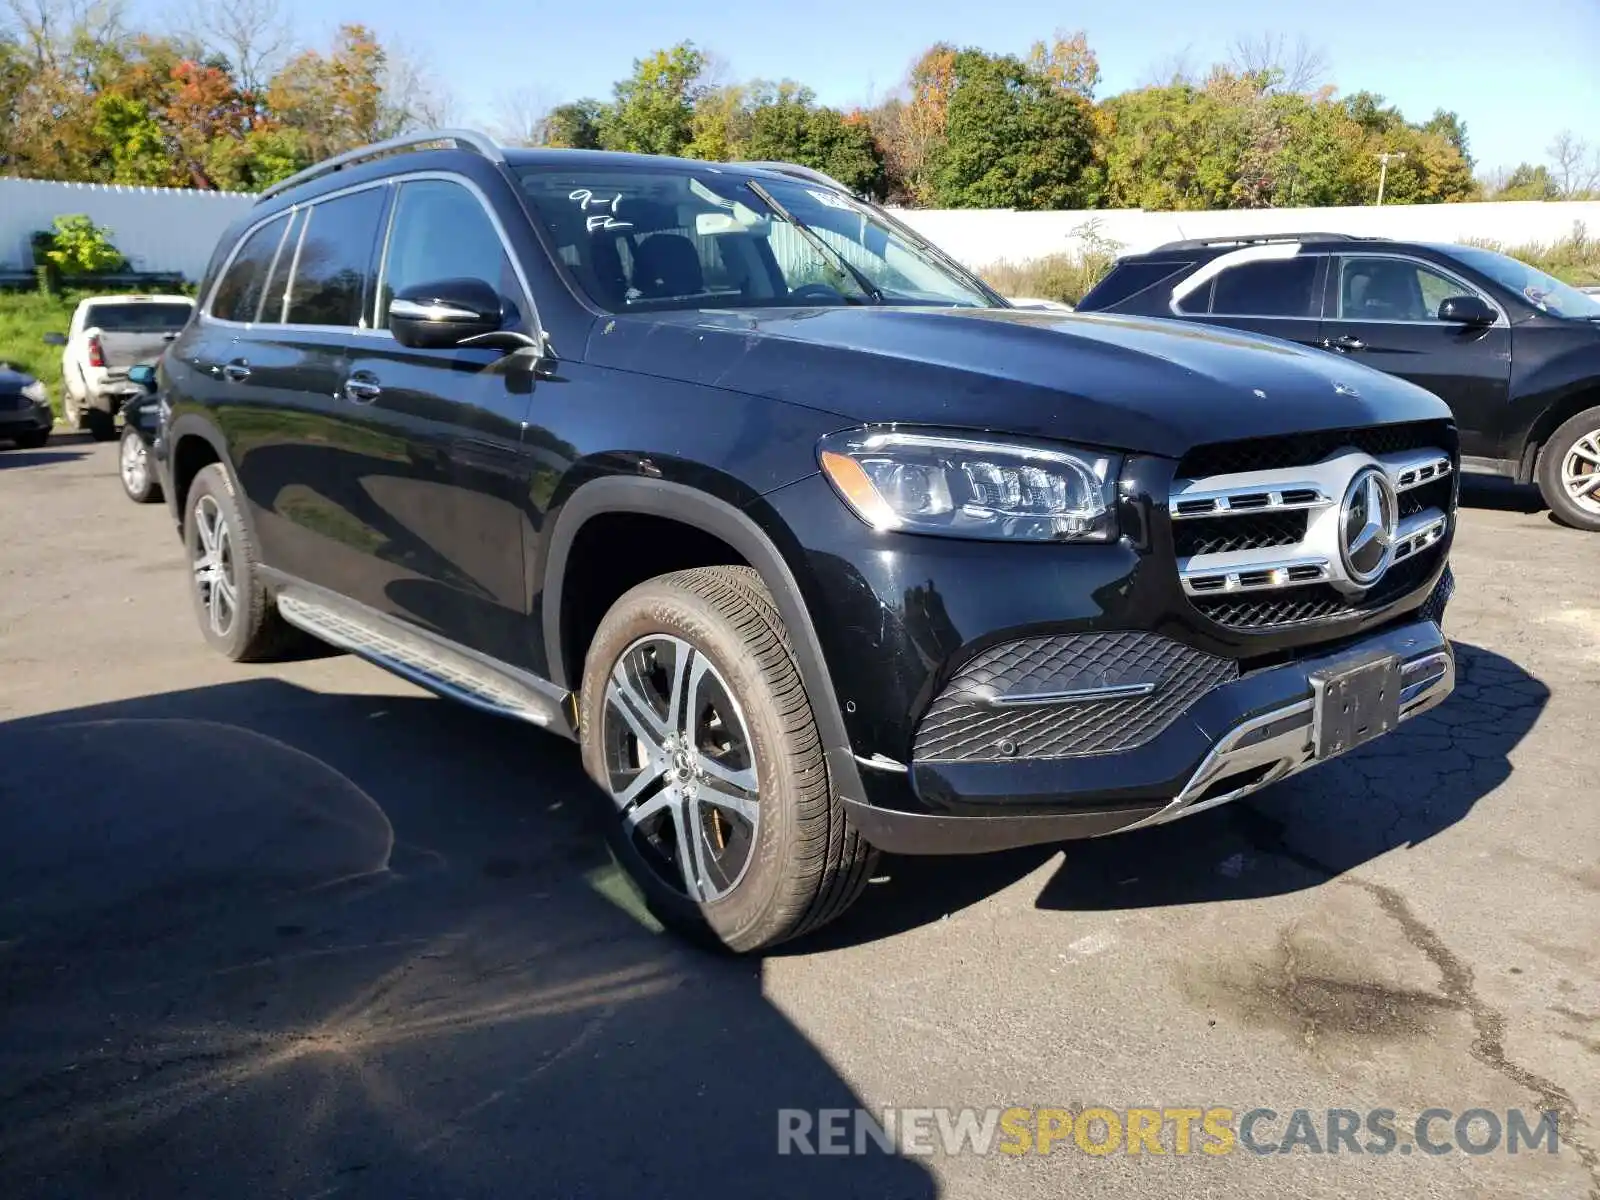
<point x="1283" y="287"/>
<point x="276" y="293"/>
<point x="239" y="294"/>
<point x="333" y="262"/>
<point x="440" y="232"/>
<point x="1126" y="280"/>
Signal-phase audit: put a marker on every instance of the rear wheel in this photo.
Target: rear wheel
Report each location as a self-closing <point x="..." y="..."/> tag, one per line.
<point x="1569" y="471"/>
<point x="133" y="464"/>
<point x="102" y="426"/>
<point x="696" y="725"/>
<point x="236" y="615"/>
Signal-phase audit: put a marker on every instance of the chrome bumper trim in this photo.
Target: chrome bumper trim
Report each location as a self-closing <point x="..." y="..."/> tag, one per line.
<point x="1277" y="744"/>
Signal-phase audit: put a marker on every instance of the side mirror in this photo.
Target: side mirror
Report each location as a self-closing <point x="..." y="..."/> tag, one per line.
<point x="435" y="316"/>
<point x="1466" y="310"/>
<point x="55" y="339"/>
<point x="144" y="375"/>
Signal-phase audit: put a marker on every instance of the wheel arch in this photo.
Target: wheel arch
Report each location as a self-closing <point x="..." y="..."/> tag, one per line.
<point x="1554" y="416"/>
<point x="194" y="443"/>
<point x="718" y="519"/>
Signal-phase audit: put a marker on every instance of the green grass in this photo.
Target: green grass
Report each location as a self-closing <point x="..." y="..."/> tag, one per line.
<point x="25" y="317"/>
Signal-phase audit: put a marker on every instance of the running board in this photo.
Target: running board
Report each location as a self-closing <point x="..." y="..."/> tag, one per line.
<point x="428" y="661"/>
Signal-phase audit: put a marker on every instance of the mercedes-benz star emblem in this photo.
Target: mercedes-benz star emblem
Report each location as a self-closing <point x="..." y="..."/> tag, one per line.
<point x="1367" y="525"/>
<point x="1344" y="389"/>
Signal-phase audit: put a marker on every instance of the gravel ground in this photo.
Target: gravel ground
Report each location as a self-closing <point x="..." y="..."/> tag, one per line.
<point x="303" y="930"/>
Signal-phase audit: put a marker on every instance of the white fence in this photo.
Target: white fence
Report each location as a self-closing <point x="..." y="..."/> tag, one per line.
<point x="158" y="229"/>
<point x="162" y="229"/>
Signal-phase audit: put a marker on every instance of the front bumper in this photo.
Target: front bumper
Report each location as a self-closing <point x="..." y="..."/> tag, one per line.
<point x="1235" y="739"/>
<point x="33" y="418"/>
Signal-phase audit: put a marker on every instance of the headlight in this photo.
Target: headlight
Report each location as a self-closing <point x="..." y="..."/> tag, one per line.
<point x="975" y="488"/>
<point x="35" y="391"/>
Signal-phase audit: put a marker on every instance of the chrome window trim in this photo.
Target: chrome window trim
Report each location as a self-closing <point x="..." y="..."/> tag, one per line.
<point x="294" y="268"/>
<point x="387" y="181"/>
<point x="1469" y="289"/>
<point x="277" y="253"/>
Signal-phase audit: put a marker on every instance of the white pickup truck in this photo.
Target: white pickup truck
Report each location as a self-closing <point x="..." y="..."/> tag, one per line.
<point x="108" y="335"/>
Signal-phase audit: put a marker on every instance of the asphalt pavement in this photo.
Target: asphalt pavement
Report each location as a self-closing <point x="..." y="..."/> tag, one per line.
<point x="303" y="930"/>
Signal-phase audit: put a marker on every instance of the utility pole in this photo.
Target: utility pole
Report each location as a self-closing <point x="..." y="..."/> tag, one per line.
<point x="1383" y="170"/>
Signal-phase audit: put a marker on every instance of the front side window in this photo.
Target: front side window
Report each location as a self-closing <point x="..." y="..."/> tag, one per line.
<point x="238" y="295"/>
<point x="653" y="239"/>
<point x="333" y="261"/>
<point x="1392" y="289"/>
<point x="441" y="231"/>
<point x="1282" y="287"/>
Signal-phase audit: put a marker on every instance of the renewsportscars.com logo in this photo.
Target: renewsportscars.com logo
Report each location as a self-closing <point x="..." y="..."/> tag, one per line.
<point x="1099" y="1131"/>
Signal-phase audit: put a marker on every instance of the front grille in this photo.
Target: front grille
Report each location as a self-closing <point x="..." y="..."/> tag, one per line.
<point x="965" y="723"/>
<point x="1216" y="535"/>
<point x="1315" y="602"/>
<point x="1438" y="494"/>
<point x="1303" y="449"/>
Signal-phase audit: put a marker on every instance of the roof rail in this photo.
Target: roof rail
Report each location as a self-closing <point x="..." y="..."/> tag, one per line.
<point x="460" y="139"/>
<point x="1247" y="239"/>
<point x="796" y="171"/>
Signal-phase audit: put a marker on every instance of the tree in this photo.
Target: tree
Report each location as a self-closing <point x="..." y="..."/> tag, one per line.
<point x="1576" y="169"/>
<point x="1524" y="182"/>
<point x="253" y="36"/>
<point x="1452" y="128"/>
<point x="334" y="100"/>
<point x="1289" y="69"/>
<point x="522" y="117"/>
<point x="1067" y="62"/>
<point x="1013" y="139"/>
<point x="575" y="126"/>
<point x="721" y="125"/>
<point x="653" y="110"/>
<point x="786" y="124"/>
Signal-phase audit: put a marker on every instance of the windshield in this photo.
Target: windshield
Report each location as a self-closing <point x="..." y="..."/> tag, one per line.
<point x="643" y="240"/>
<point x="141" y="317"/>
<point x="1545" y="292"/>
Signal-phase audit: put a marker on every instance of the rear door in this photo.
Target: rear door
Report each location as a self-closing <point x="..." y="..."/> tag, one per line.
<point x="1383" y="313"/>
<point x="303" y="458"/>
<point x="1274" y="289"/>
<point x="453" y="511"/>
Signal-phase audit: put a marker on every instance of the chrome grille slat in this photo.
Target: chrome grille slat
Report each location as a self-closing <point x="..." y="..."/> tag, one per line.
<point x="1214" y="566"/>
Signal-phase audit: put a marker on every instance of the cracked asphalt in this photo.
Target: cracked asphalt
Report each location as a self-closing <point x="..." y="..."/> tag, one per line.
<point x="302" y="930"/>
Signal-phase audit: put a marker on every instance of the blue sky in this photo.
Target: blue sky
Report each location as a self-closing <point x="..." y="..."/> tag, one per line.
<point x="1516" y="72"/>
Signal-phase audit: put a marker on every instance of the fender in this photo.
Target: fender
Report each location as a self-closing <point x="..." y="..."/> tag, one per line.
<point x="1542" y="400"/>
<point x="192" y="424"/>
<point x="722" y="520"/>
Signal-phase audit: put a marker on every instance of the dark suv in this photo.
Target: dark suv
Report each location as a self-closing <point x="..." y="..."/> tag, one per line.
<point x="811" y="542"/>
<point x="1513" y="351"/>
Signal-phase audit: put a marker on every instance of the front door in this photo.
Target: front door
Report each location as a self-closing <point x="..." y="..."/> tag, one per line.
<point x="454" y="509"/>
<point x="1383" y="313"/>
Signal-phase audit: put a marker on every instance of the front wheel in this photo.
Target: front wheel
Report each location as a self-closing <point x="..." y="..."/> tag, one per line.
<point x="1569" y="471"/>
<point x="133" y="463"/>
<point x="695" y="723"/>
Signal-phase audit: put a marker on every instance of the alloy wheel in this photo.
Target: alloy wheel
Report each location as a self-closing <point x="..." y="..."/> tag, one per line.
<point x="681" y="766"/>
<point x="214" y="573"/>
<point x="1580" y="471"/>
<point x="135" y="465"/>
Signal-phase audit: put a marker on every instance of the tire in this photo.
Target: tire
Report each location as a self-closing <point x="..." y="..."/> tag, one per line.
<point x="214" y="529"/>
<point x="1568" y="460"/>
<point x="795" y="866"/>
<point x="134" y="468"/>
<point x="102" y="426"/>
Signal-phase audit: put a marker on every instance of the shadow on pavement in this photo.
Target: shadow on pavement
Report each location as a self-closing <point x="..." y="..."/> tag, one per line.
<point x="1500" y="494"/>
<point x="265" y="940"/>
<point x="10" y="457"/>
<point x="1395" y="792"/>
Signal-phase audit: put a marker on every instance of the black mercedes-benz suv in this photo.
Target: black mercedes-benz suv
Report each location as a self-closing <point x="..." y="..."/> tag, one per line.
<point x="813" y="544"/>
<point x="1512" y="350"/>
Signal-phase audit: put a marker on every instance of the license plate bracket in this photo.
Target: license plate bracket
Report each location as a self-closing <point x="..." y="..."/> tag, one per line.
<point x="1354" y="702"/>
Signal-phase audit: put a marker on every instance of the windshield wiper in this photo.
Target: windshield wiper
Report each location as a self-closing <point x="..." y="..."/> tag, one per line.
<point x="839" y="262"/>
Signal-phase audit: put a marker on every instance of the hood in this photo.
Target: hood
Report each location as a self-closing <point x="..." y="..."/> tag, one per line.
<point x="1128" y="383"/>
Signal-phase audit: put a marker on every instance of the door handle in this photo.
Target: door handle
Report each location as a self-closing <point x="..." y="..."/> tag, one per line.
<point x="1344" y="344"/>
<point x="362" y="388"/>
<point x="237" y="371"/>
